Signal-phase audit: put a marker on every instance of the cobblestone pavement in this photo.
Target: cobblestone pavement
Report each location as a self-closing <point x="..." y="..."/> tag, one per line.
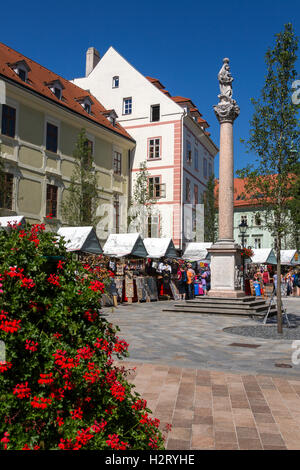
<point x="215" y="395"/>
<point x="198" y="341"/>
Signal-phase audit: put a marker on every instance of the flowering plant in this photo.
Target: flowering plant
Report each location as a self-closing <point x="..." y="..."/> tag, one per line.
<point x="247" y="252"/>
<point x="60" y="387"/>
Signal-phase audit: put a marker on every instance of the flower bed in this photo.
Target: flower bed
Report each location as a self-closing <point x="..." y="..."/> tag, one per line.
<point x="59" y="385"/>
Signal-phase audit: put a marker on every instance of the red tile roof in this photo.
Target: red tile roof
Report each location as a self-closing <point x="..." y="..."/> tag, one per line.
<point x="39" y="76"/>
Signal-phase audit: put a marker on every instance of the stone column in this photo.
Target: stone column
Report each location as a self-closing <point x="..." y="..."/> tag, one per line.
<point x="225" y="253"/>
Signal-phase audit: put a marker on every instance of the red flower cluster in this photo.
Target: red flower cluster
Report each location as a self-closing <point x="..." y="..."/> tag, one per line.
<point x="103" y="345"/>
<point x="120" y="346"/>
<point x="96" y="286"/>
<point x="139" y="405"/>
<point x="118" y="391"/>
<point x="18" y="272"/>
<point x="60" y="421"/>
<point x="114" y="442"/>
<point x="40" y="402"/>
<point x="85" y="353"/>
<point x="9" y="326"/>
<point x="93" y="375"/>
<point x="60" y="264"/>
<point x="57" y="335"/>
<point x="22" y="390"/>
<point x="31" y="345"/>
<point x="77" y="413"/>
<point x="26" y="447"/>
<point x="90" y="316"/>
<point x="149" y="421"/>
<point x="99" y="427"/>
<point x="27" y="282"/>
<point x="5" y="440"/>
<point x="64" y="362"/>
<point x="54" y="279"/>
<point x="4" y="366"/>
<point x="153" y="443"/>
<point x="46" y="379"/>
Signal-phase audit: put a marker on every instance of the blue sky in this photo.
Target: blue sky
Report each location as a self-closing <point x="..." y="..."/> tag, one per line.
<point x="181" y="43"/>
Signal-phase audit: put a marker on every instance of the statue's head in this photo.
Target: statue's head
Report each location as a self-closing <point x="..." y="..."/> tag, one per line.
<point x="226" y="60"/>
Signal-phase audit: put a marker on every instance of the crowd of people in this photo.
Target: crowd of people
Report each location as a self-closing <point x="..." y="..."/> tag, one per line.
<point x="290" y="280"/>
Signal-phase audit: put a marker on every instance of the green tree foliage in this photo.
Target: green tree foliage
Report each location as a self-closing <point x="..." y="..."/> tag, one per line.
<point x="274" y="139"/>
<point x="61" y="382"/>
<point x="210" y="212"/>
<point x="80" y="205"/>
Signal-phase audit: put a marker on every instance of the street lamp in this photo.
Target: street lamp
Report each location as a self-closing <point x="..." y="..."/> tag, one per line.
<point x="243" y="229"/>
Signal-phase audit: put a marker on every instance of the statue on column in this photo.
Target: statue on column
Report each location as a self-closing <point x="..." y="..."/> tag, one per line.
<point x="227" y="109"/>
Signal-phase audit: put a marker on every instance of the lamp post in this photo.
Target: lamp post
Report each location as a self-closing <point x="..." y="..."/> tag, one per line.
<point x="243" y="229"/>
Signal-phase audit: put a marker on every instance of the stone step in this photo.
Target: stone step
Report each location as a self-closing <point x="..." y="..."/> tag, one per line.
<point x="220" y="311"/>
<point x="238" y="301"/>
<point x="255" y="304"/>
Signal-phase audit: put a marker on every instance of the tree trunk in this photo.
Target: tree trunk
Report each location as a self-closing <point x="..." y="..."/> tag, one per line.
<point x="278" y="290"/>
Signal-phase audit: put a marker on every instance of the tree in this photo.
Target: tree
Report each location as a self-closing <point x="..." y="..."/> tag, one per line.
<point x="274" y="139"/>
<point x="142" y="200"/>
<point x="210" y="211"/>
<point x="80" y="205"/>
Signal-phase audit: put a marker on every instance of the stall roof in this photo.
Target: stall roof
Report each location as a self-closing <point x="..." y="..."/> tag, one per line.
<point x="289" y="257"/>
<point x="197" y="251"/>
<point x="160" y="247"/>
<point x="124" y="244"/>
<point x="81" y="239"/>
<point x="18" y="219"/>
<point x="263" y="256"/>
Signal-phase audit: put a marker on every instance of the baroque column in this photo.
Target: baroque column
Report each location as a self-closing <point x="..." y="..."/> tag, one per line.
<point x="225" y="253"/>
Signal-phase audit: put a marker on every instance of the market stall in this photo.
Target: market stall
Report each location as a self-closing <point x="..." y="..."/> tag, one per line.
<point x="289" y="257"/>
<point x="81" y="239"/>
<point x="128" y="254"/>
<point x="159" y="249"/>
<point x="6" y="222"/>
<point x="197" y="251"/>
<point x="262" y="261"/>
<point x="263" y="256"/>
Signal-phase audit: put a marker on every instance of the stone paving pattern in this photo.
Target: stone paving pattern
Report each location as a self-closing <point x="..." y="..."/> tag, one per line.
<point x="214" y="395"/>
<point x="218" y="410"/>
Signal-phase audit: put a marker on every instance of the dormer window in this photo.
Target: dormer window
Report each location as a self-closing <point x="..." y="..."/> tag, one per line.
<point x="21" y="69"/>
<point x="111" y="115"/>
<point x="86" y="103"/>
<point x="56" y="87"/>
<point x="115" y="82"/>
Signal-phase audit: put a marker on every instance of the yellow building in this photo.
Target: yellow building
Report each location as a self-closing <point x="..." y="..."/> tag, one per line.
<point x="41" y="116"/>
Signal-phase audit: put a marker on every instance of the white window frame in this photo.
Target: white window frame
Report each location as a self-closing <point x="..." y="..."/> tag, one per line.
<point x="114" y="79"/>
<point x="127" y="106"/>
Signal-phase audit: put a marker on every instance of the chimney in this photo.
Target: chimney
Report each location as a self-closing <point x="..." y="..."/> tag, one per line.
<point x="92" y="59"/>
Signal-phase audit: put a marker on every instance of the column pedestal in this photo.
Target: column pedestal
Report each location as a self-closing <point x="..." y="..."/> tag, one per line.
<point x="225" y="257"/>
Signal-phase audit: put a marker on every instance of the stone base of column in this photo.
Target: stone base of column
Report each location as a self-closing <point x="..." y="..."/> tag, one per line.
<point x="225" y="258"/>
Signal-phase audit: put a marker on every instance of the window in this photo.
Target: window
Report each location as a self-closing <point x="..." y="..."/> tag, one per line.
<point x="156" y="188"/>
<point x="87" y="107"/>
<point x="6" y="193"/>
<point x="154" y="148"/>
<point x="257" y="243"/>
<point x="257" y="219"/>
<point x="8" y="121"/>
<point x="188" y="151"/>
<point x="116" y="214"/>
<point x="196" y="159"/>
<point x="51" y="137"/>
<point x="205" y="167"/>
<point x="51" y="200"/>
<point x="115" y="82"/>
<point x="153" y="226"/>
<point x="187" y="190"/>
<point x="22" y="74"/>
<point x="244" y="219"/>
<point x="210" y="170"/>
<point x="117" y="163"/>
<point x="155" y="112"/>
<point x="127" y="105"/>
<point x="196" y="197"/>
<point x="57" y="92"/>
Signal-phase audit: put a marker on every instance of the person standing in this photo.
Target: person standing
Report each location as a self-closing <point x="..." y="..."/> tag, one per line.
<point x="182" y="280"/>
<point x="190" y="281"/>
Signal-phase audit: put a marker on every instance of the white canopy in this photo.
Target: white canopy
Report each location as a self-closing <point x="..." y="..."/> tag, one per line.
<point x="80" y="239"/>
<point x="13" y="219"/>
<point x="263" y="256"/>
<point x="124" y="244"/>
<point x="197" y="251"/>
<point x="160" y="247"/>
<point x="289" y="257"/>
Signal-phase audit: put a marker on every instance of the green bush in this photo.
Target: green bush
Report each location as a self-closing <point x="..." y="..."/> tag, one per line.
<point x="59" y="385"/>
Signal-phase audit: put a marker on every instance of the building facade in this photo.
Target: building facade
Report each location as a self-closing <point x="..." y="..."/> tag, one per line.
<point x="41" y="116"/>
<point x="170" y="135"/>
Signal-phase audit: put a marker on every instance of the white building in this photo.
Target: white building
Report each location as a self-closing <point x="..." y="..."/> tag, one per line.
<point x="170" y="136"/>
